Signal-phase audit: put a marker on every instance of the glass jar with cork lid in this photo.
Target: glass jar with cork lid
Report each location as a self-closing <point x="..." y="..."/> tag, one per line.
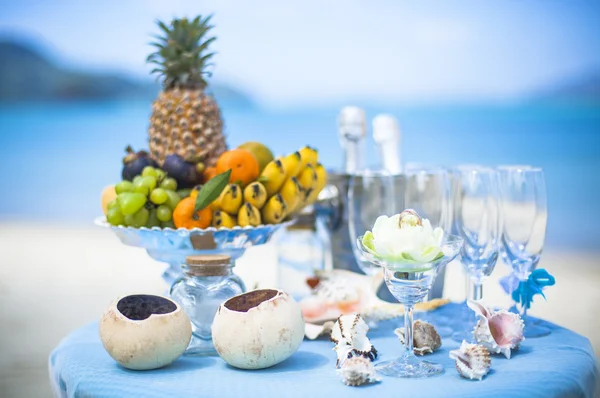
<point x="206" y="283"/>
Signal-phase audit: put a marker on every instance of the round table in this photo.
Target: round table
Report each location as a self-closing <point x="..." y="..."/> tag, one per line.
<point x="559" y="365"/>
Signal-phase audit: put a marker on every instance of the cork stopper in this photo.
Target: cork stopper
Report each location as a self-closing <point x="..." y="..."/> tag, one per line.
<point x="208" y="265"/>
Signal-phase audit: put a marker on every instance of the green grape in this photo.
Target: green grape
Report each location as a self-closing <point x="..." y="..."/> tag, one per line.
<point x="140" y="187"/>
<point x="158" y="196"/>
<point x="172" y="200"/>
<point x="184" y="193"/>
<point x="114" y="216"/>
<point x="138" y="219"/>
<point x="168" y="224"/>
<point x="164" y="213"/>
<point x="160" y="175"/>
<point x="149" y="181"/>
<point x="169" y="183"/>
<point x="136" y="179"/>
<point x="113" y="203"/>
<point x="124" y="186"/>
<point x="131" y="202"/>
<point x="153" y="220"/>
<point x="149" y="171"/>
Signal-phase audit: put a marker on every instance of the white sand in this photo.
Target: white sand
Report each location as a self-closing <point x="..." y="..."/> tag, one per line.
<point x="54" y="279"/>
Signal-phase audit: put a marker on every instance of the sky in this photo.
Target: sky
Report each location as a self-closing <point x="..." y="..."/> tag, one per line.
<point x="317" y="51"/>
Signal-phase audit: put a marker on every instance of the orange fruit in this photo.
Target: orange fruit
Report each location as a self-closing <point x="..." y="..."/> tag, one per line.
<point x="184" y="217"/>
<point x="243" y="165"/>
<point x="209" y="173"/>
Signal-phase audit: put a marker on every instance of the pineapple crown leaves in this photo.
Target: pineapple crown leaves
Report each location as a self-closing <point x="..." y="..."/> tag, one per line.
<point x="181" y="52"/>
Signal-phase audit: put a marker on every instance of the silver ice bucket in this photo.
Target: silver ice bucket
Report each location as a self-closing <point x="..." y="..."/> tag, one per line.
<point x="426" y="190"/>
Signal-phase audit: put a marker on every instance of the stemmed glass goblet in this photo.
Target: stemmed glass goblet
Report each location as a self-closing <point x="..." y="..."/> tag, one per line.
<point x="477" y="221"/>
<point x="410" y="283"/>
<point x="524" y="218"/>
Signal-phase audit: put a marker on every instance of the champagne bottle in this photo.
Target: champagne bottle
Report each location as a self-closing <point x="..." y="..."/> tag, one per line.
<point x="352" y="130"/>
<point x="386" y="134"/>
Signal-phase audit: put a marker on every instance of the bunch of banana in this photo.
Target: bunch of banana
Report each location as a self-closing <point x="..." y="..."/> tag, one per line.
<point x="287" y="184"/>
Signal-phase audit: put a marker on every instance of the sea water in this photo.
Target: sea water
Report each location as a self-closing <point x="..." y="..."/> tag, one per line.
<point x="56" y="158"/>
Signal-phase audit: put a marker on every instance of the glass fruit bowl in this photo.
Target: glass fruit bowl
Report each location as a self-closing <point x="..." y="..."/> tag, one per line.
<point x="172" y="246"/>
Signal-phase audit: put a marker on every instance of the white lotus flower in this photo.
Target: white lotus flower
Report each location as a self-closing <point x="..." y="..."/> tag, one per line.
<point x="409" y="243"/>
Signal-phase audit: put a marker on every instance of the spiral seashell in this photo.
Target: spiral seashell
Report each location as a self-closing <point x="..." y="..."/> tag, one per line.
<point x="409" y="218"/>
<point x="472" y="360"/>
<point x="498" y="331"/>
<point x="425" y="338"/>
<point x="349" y="333"/>
<point x="357" y="371"/>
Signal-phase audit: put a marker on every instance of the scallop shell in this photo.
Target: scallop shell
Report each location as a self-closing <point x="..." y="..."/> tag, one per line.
<point x="472" y="360"/>
<point x="425" y="338"/>
<point x="357" y="371"/>
<point x="498" y="331"/>
<point x="350" y="336"/>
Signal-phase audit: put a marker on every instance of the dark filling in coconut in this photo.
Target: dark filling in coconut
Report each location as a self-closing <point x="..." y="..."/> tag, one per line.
<point x="141" y="306"/>
<point x="244" y="302"/>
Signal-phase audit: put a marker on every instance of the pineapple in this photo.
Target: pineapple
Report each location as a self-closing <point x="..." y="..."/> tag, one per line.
<point x="185" y="119"/>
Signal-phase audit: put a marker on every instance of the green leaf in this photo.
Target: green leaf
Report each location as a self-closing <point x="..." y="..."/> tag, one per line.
<point x="211" y="190"/>
<point x="164" y="27"/>
<point x="368" y="241"/>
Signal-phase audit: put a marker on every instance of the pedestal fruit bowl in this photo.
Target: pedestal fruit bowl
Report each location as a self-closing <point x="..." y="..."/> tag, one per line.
<point x="172" y="246"/>
<point x="188" y="194"/>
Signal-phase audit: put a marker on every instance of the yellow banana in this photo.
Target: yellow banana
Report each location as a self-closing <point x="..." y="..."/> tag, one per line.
<point x="273" y="176"/>
<point x="308" y="178"/>
<point x="231" y="199"/>
<point x="292" y="194"/>
<point x="274" y="210"/>
<point x="292" y="164"/>
<point x="321" y="182"/>
<point x="223" y="220"/>
<point x="248" y="215"/>
<point x="215" y="204"/>
<point x="309" y="156"/>
<point x="255" y="194"/>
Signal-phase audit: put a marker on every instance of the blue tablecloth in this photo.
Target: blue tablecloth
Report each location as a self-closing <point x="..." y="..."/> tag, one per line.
<point x="559" y="365"/>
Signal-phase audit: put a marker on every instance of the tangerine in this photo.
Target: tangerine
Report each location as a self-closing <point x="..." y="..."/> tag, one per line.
<point x="185" y="217"/>
<point x="209" y="173"/>
<point x="243" y="165"/>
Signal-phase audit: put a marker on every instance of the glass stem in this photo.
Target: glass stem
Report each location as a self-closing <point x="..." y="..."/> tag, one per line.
<point x="477" y="291"/>
<point x="408" y="329"/>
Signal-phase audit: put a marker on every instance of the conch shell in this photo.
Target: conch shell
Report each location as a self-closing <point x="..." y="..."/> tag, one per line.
<point x="357" y="371"/>
<point x="339" y="292"/>
<point x="498" y="331"/>
<point x="350" y="337"/>
<point x="472" y="360"/>
<point x="425" y="338"/>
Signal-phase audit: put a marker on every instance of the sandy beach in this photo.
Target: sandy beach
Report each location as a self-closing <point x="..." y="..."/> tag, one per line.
<point x="54" y="279"/>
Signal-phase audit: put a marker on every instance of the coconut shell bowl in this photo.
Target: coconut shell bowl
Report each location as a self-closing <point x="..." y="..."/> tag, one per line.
<point x="172" y="246"/>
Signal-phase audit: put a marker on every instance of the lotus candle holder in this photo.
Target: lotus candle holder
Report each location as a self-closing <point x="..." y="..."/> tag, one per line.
<point x="172" y="246"/>
<point x="409" y="283"/>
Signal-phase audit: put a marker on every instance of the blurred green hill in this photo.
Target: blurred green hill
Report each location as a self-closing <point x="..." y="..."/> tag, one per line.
<point x="28" y="74"/>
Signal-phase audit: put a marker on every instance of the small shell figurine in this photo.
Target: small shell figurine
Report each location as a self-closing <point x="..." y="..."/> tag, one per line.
<point x="350" y="336"/>
<point x="498" y="331"/>
<point x="472" y="361"/>
<point x="425" y="338"/>
<point x="357" y="371"/>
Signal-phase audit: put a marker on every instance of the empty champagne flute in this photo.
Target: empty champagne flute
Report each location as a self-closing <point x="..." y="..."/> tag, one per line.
<point x="477" y="221"/>
<point x="524" y="217"/>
